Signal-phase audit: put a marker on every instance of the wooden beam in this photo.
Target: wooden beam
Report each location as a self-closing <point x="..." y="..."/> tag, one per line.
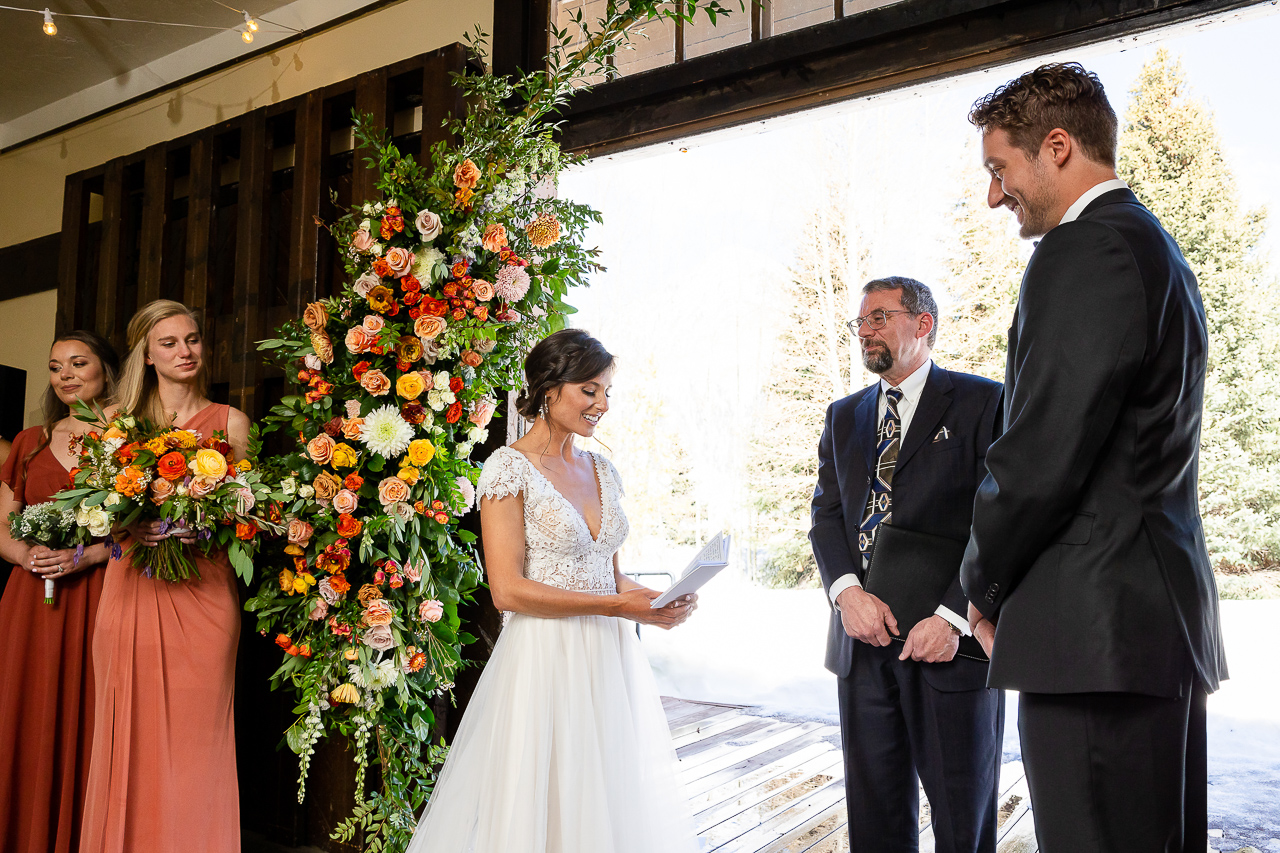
<point x="195" y="282"/>
<point x="247" y="307"/>
<point x="440" y="98"/>
<point x="74" y="214"/>
<point x="882" y="49"/>
<point x="371" y="101"/>
<point x="311" y="144"/>
<point x="156" y="189"/>
<point x="106" y="321"/>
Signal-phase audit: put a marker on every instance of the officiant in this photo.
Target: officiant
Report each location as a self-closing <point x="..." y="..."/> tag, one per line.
<point x="908" y="451"/>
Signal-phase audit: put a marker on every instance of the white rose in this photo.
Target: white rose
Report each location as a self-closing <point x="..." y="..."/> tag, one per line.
<point x="99" y="522"/>
<point x="113" y="499"/>
<point x="82" y="515"/>
<point x="442" y="379"/>
<point x="448" y="397"/>
<point x="436" y="401"/>
<point x="428" y="225"/>
<point x="288" y="487"/>
<point x="129" y="422"/>
<point x="182" y="489"/>
<point x="306" y="492"/>
<point x="367" y="210"/>
<point x="402" y="510"/>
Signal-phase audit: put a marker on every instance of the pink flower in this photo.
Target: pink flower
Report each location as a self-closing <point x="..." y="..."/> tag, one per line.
<point x="375" y="382"/>
<point x="430" y="610"/>
<point x="379" y="638"/>
<point x="365" y="283"/>
<point x="300" y="532"/>
<point x="482" y="411"/>
<point x="468" y="493"/>
<point x="319" y="611"/>
<point x="200" y="487"/>
<point x="245" y="500"/>
<point x="327" y="591"/>
<point x="373" y="324"/>
<point x="345" y="501"/>
<point x="312" y="361"/>
<point x="362" y="240"/>
<point x="392" y="490"/>
<point x="413" y="572"/>
<point x="428" y="225"/>
<point x="512" y="283"/>
<point x="353" y="408"/>
<point x="161" y="489"/>
<point x="482" y="289"/>
<point x="400" y="260"/>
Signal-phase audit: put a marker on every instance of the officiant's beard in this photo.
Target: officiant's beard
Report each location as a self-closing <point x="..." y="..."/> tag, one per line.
<point x="877" y="358"/>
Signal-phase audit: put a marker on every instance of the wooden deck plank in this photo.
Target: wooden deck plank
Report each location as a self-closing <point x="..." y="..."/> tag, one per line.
<point x="784" y="823"/>
<point x="708" y="727"/>
<point x="737" y="753"/>
<point x="733" y="787"/>
<point x="760" y="762"/>
<point x="822" y="763"/>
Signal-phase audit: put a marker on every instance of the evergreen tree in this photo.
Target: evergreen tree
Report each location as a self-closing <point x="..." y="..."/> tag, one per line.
<point x="1171" y="155"/>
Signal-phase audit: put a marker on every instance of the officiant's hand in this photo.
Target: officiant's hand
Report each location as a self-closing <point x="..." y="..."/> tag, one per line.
<point x="932" y="640"/>
<point x="866" y="617"/>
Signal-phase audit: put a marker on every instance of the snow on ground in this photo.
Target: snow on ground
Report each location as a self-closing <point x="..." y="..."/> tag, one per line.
<point x="751" y="646"/>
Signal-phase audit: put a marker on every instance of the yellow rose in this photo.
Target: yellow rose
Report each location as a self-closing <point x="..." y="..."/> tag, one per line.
<point x="409" y="475"/>
<point x="410" y="385"/>
<point x="210" y="463"/>
<point x="286" y="581"/>
<point x="421" y="452"/>
<point x="244" y="465"/>
<point x="345" y="456"/>
<point x="302" y="582"/>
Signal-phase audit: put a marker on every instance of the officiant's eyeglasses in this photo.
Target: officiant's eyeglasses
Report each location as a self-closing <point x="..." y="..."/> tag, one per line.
<point x="876" y="319"/>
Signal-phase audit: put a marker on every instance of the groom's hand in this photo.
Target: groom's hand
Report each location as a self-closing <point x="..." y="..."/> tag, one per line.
<point x="932" y="640"/>
<point x="866" y="617"/>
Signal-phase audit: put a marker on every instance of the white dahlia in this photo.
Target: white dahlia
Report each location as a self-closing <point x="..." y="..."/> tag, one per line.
<point x="385" y="432"/>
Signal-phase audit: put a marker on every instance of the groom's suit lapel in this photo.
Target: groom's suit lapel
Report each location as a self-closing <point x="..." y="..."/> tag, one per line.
<point x="935" y="399"/>
<point x="864" y="424"/>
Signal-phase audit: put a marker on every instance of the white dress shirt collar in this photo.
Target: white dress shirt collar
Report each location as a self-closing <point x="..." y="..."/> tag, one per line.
<point x="913" y="386"/>
<point x="1074" y="211"/>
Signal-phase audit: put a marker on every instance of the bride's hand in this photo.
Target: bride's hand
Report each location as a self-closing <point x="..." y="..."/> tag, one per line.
<point x="634" y="605"/>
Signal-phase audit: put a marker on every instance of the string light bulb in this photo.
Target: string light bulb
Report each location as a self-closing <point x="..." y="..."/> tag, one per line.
<point x="50" y="28"/>
<point x="246" y="35"/>
<point x="250" y="23"/>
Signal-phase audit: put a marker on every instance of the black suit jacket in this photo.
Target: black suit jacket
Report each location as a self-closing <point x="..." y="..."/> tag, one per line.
<point x="1087" y="546"/>
<point x="933" y="487"/>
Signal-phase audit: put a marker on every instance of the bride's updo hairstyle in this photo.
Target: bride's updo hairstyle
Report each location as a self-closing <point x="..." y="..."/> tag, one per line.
<point x="569" y="355"/>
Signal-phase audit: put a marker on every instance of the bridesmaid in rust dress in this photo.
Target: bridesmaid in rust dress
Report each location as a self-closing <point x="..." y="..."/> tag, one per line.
<point x="163" y="773"/>
<point x="46" y="671"/>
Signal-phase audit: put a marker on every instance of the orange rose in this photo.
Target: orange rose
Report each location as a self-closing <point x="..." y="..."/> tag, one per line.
<point x="339" y="585"/>
<point x="378" y="612"/>
<point x="375" y="382"/>
<point x="495" y="237"/>
<point x="482" y="289"/>
<point x="315" y="317"/>
<point x="466" y="175"/>
<point x="326" y="486"/>
<point x="359" y="340"/>
<point x="283" y="641"/>
<point x="161" y="490"/>
<point x="392" y="490"/>
<point x="470" y="358"/>
<point x="245" y="530"/>
<point x="351" y="428"/>
<point x="172" y="466"/>
<point x="368" y="593"/>
<point x="429" y="327"/>
<point x="349" y="526"/>
<point x="353" y="482"/>
<point x="320" y="449"/>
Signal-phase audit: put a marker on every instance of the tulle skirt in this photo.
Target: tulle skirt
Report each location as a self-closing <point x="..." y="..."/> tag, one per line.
<point x="563" y="749"/>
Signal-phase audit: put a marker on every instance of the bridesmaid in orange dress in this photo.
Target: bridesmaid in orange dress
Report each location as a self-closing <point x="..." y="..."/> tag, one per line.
<point x="46" y="672"/>
<point x="163" y="773"/>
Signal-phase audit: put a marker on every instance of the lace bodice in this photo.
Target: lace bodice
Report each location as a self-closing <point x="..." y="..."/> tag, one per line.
<point x="559" y="550"/>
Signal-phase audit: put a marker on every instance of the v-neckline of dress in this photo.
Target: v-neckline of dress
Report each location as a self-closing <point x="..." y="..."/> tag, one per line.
<point x="595" y="470"/>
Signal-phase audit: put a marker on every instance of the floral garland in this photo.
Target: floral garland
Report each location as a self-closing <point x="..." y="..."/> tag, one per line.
<point x="453" y="277"/>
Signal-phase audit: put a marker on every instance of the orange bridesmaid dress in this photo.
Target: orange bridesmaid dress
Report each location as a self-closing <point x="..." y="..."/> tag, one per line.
<point x="162" y="778"/>
<point x="46" y="682"/>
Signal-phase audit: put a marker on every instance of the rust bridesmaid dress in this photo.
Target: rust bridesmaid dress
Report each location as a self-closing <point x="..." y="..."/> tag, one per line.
<point x="162" y="778"/>
<point x="46" y="682"/>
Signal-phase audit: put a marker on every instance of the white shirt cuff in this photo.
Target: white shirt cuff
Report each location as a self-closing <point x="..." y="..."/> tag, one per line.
<point x="841" y="584"/>
<point x="950" y="615"/>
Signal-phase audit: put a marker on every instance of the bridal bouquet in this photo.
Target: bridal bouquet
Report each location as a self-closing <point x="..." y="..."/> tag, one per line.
<point x="45" y="524"/>
<point x="134" y="471"/>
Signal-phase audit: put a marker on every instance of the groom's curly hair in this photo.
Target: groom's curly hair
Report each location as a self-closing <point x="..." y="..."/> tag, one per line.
<point x="569" y="355"/>
<point x="1060" y="94"/>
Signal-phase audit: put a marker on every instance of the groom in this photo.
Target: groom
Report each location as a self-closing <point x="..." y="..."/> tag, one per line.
<point x="910" y="450"/>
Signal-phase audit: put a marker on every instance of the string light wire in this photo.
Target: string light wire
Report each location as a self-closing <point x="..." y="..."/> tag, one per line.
<point x="42" y="12"/>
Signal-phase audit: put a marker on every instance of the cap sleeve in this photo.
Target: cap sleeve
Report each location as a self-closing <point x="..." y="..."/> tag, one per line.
<point x="613" y="475"/>
<point x="503" y="475"/>
<point x="12" y="473"/>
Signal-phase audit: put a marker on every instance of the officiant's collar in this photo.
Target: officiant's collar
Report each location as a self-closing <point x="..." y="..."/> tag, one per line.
<point x="913" y="386"/>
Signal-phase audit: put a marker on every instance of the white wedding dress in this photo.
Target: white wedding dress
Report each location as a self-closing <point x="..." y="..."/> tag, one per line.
<point x="564" y="747"/>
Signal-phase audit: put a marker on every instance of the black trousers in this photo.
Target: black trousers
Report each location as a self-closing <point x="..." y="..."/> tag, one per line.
<point x="897" y="728"/>
<point x="1112" y="772"/>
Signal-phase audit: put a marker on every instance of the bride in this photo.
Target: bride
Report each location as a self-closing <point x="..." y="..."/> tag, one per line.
<point x="564" y="747"/>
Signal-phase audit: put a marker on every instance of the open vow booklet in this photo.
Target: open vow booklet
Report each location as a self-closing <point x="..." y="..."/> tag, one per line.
<point x="710" y="560"/>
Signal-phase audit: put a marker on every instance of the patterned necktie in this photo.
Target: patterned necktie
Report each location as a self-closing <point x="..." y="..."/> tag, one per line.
<point x="880" y="501"/>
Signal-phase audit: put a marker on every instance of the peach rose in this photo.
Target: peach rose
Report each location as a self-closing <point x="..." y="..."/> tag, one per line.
<point x="482" y="411"/>
<point x="428" y="225"/>
<point x="201" y="486"/>
<point x="359" y="340"/>
<point x="466" y="175"/>
<point x="365" y="283"/>
<point x="373" y="324"/>
<point x="300" y="532"/>
<point x="315" y="317"/>
<point x="379" y="638"/>
<point x="375" y="382"/>
<point x="351" y="428"/>
<point x="412" y="572"/>
<point x="326" y="486"/>
<point x="495" y="237"/>
<point x="378" y="612"/>
<point x="362" y="240"/>
<point x="470" y="358"/>
<point x="482" y="289"/>
<point x="319" y="611"/>
<point x="428" y="327"/>
<point x="392" y="490"/>
<point x="400" y="261"/>
<point x="430" y="610"/>
<point x="345" y="501"/>
<point x="320" y="449"/>
<point x="161" y="490"/>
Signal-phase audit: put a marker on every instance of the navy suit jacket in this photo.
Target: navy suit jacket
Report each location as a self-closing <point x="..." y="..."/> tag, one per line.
<point x="934" y="482"/>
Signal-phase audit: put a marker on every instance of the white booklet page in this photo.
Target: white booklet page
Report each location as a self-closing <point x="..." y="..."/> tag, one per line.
<point x="713" y="557"/>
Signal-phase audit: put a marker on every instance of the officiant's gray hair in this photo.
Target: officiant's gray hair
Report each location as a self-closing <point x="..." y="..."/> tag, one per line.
<point x="916" y="297"/>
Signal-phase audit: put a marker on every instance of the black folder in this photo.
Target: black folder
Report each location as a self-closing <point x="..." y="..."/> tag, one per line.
<point x="911" y="572"/>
